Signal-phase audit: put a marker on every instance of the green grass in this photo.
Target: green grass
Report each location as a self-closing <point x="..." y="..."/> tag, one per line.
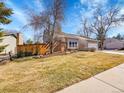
<point x="48" y="75"/>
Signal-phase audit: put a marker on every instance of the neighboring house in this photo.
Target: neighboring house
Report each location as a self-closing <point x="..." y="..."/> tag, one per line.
<point x="11" y="40"/>
<point x="112" y="44"/>
<point x="73" y="42"/>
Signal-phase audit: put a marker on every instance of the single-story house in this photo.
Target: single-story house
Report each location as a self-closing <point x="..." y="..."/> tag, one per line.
<point x="112" y="44"/>
<point x="73" y="42"/>
<point x="11" y="40"/>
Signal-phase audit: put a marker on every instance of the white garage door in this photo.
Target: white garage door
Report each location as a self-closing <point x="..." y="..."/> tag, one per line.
<point x="93" y="45"/>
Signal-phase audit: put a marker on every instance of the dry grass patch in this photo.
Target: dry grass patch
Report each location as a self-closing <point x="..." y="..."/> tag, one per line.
<point x="48" y="75"/>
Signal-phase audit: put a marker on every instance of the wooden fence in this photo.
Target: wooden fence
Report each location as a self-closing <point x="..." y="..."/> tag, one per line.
<point x="32" y="49"/>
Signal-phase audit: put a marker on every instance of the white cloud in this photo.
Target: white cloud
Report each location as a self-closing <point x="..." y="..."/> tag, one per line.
<point x="19" y="14"/>
<point x="91" y="6"/>
<point x="93" y="3"/>
<point x="122" y="11"/>
<point x="39" y="5"/>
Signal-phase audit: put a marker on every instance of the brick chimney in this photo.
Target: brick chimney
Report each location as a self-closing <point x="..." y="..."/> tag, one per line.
<point x="19" y="39"/>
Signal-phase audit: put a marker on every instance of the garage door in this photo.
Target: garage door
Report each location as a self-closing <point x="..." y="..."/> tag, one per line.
<point x="93" y="45"/>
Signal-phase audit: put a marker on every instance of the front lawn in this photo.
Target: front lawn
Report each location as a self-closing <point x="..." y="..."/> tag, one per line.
<point x="48" y="75"/>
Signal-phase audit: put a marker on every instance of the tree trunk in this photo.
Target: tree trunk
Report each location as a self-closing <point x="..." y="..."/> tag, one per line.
<point x="101" y="44"/>
<point x="51" y="47"/>
<point x="52" y="37"/>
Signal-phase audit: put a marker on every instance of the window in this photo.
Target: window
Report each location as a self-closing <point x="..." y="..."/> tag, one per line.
<point x="70" y="44"/>
<point x="73" y="44"/>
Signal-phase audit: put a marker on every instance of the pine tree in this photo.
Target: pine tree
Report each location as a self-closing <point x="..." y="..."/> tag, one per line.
<point x="119" y="37"/>
<point x="5" y="13"/>
<point x="29" y="41"/>
<point x="2" y="46"/>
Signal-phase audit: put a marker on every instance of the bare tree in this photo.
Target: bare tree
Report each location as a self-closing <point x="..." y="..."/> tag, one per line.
<point x="85" y="29"/>
<point x="38" y="23"/>
<point x="103" y="21"/>
<point x="48" y="20"/>
<point x="56" y="15"/>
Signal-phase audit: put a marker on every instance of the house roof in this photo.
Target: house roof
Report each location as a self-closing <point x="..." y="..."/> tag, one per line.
<point x="63" y="35"/>
<point x="10" y="33"/>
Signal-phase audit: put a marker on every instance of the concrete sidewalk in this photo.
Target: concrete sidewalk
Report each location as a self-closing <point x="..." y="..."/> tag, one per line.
<point x="110" y="81"/>
<point x="113" y="52"/>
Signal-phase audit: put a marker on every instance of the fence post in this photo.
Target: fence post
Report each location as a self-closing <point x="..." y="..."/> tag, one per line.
<point x="10" y="56"/>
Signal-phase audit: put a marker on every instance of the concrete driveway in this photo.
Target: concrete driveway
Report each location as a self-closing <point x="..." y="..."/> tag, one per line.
<point x="110" y="81"/>
<point x="113" y="52"/>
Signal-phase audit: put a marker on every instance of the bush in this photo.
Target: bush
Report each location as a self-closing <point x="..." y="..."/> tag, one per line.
<point x="88" y="49"/>
<point x="28" y="54"/>
<point x="83" y="49"/>
<point x="121" y="49"/>
<point x="92" y="49"/>
<point x="20" y="54"/>
<point x="24" y="54"/>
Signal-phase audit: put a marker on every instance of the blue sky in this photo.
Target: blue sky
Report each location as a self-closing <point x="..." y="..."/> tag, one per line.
<point x="71" y="24"/>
